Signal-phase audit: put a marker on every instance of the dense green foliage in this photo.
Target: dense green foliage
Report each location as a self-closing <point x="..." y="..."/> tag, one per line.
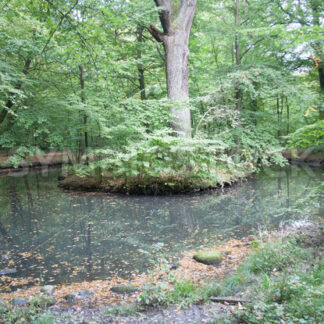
<point x="308" y="136"/>
<point x="87" y="77"/>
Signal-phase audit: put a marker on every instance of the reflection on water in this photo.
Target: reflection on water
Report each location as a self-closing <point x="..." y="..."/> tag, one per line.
<point x="63" y="237"/>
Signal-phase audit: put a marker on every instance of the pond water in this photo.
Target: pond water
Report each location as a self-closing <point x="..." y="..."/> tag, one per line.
<point x="63" y="237"/>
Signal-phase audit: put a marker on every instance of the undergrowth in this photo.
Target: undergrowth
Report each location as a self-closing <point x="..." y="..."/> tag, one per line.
<point x="283" y="278"/>
<point x="285" y="282"/>
<point x="162" y="163"/>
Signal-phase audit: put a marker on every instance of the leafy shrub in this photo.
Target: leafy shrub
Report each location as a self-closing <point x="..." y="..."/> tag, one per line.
<point x="275" y="255"/>
<point x="182" y="293"/>
<point x="212" y="289"/>
<point x="164" y="163"/>
<point x="32" y="314"/>
<point x="308" y="136"/>
<point x="154" y="295"/>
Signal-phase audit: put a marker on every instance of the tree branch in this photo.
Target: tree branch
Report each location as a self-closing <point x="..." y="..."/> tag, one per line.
<point x="252" y="46"/>
<point x="156" y="34"/>
<point x="59" y="23"/>
<point x="165" y="15"/>
<point x="186" y="13"/>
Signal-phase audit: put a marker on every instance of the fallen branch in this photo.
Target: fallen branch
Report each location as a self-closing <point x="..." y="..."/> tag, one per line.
<point x="229" y="300"/>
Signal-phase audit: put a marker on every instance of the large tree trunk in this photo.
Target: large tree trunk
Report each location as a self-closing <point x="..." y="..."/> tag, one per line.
<point x="175" y="39"/>
<point x="176" y="61"/>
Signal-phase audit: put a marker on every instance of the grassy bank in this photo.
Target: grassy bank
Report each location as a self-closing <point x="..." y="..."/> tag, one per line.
<point x="283" y="277"/>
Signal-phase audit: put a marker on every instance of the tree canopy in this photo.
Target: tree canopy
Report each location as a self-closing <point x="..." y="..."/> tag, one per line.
<point x="88" y="76"/>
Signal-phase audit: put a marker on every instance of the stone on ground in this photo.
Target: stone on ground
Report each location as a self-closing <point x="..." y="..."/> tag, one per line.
<point x="124" y="289"/>
<point x="48" y="290"/>
<point x="208" y="257"/>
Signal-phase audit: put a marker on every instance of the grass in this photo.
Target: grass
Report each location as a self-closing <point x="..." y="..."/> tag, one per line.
<point x="123" y="310"/>
<point x="283" y="277"/>
<point x="27" y="315"/>
<point x="285" y="282"/>
<point x="35" y="312"/>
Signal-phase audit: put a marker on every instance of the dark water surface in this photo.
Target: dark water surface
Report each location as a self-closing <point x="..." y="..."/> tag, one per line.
<point x="64" y="237"/>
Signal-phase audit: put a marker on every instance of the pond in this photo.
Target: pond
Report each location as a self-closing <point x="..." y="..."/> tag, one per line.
<point x="55" y="236"/>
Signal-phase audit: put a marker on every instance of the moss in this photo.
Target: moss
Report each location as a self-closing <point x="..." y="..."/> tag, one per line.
<point x="124" y="289"/>
<point x="208" y="256"/>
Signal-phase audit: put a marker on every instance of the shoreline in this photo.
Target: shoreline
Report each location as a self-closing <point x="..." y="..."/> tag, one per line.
<point x="234" y="252"/>
<point x="107" y="306"/>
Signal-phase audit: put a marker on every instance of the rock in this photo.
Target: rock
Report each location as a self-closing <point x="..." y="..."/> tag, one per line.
<point x="19" y="301"/>
<point x="211" y="256"/>
<point x="48" y="290"/>
<point x="174" y="266"/>
<point x="124" y="289"/>
<point x="71" y="297"/>
<point x="8" y="271"/>
<point x="4" y="307"/>
<point x="78" y="295"/>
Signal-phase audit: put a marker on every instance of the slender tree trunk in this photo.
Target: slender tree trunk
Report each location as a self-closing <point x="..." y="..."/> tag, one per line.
<point x="85" y="117"/>
<point x="10" y="101"/>
<point x="321" y="79"/>
<point x="278" y="118"/>
<point x="141" y="78"/>
<point x="288" y="116"/>
<point x="175" y="39"/>
<point x="238" y="91"/>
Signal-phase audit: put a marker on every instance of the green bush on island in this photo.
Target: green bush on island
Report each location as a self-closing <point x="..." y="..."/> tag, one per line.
<point x="162" y="163"/>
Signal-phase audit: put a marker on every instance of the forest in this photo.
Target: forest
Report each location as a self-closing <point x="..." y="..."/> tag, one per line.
<point x="169" y="126"/>
<point x="102" y="80"/>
